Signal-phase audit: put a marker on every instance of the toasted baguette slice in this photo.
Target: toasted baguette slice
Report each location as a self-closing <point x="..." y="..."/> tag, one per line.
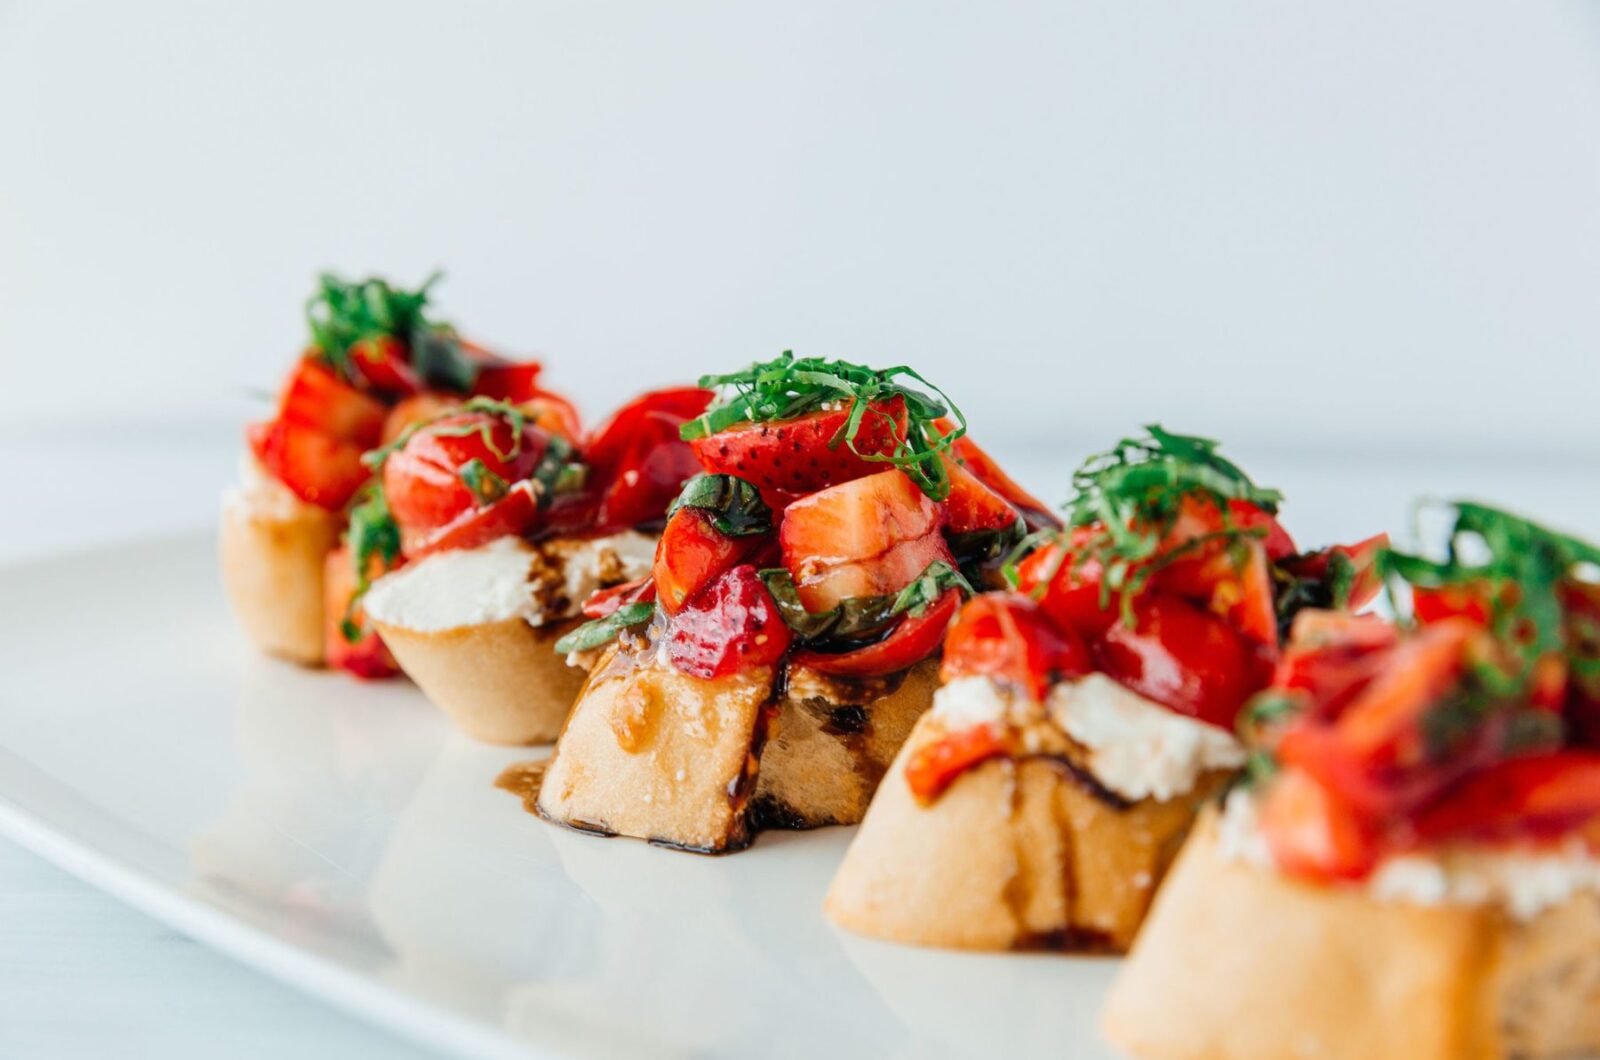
<point x="501" y="682"/>
<point x="272" y="568"/>
<point x="1016" y="854"/>
<point x="832" y="742"/>
<point x="655" y="754"/>
<point x="1238" y="963"/>
<point x="705" y="765"/>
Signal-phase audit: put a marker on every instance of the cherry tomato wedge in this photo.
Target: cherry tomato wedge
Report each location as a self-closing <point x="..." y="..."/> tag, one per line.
<point x="1007" y="638"/>
<point x="933" y="767"/>
<point x="914" y="639"/>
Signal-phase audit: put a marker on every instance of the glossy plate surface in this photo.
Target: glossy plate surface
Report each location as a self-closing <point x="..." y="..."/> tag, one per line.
<point x="342" y="837"/>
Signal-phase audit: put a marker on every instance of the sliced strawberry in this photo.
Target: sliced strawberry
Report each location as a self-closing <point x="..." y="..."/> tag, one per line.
<point x="691" y="555"/>
<point x="1231" y="579"/>
<point x="423" y="479"/>
<point x="1069" y="590"/>
<point x="366" y="657"/>
<point x="972" y="506"/>
<point x="1472" y="601"/>
<point x="416" y="410"/>
<point x="732" y="626"/>
<point x="511" y="516"/>
<point x="991" y="474"/>
<point x="636" y="459"/>
<point x="824" y="585"/>
<point x="1536" y="796"/>
<point x="1384" y="721"/>
<point x="603" y="602"/>
<point x="1184" y="658"/>
<point x="1276" y="539"/>
<point x="856" y="520"/>
<point x="508" y="382"/>
<point x="914" y="639"/>
<point x="933" y="767"/>
<point x="796" y="455"/>
<point x="1007" y="638"/>
<point x="317" y="398"/>
<point x="319" y="469"/>
<point x="1365" y="581"/>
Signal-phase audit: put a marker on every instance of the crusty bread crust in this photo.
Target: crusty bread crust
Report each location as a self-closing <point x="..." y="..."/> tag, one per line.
<point x="1239" y="963"/>
<point x="501" y="682"/>
<point x="1016" y="854"/>
<point x="272" y="564"/>
<point x="655" y="754"/>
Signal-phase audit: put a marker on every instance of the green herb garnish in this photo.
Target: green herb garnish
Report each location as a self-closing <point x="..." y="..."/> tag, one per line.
<point x="486" y="486"/>
<point x="344" y="314"/>
<point x="602" y="631"/>
<point x="373" y="532"/>
<point x="860" y="616"/>
<point x="788" y="387"/>
<point x="733" y="505"/>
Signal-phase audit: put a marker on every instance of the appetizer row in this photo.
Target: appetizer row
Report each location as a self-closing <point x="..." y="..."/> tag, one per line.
<point x="799" y="595"/>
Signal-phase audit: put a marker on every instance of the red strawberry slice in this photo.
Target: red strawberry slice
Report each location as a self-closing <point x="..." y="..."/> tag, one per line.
<point x="690" y="555"/>
<point x="316" y="397"/>
<point x="794" y="455"/>
<point x="733" y="626"/>
<point x="973" y="506"/>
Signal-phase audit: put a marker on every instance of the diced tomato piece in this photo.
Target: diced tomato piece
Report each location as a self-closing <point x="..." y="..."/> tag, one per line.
<point x="1231" y="579"/>
<point x="317" y="398"/>
<point x="914" y="639"/>
<point x="731" y="626"/>
<point x="384" y="362"/>
<point x="1314" y="834"/>
<point x="637" y="461"/>
<point x="423" y="479"/>
<point x="795" y="455"/>
<point x="933" y="767"/>
<point x="1473" y="602"/>
<point x="971" y="506"/>
<point x="1178" y="655"/>
<point x="366" y="657"/>
<point x="513" y="515"/>
<point x="1072" y="595"/>
<point x="991" y="474"/>
<point x="1276" y="540"/>
<point x="691" y="555"/>
<point x="1536" y="796"/>
<point x="1384" y="720"/>
<point x="319" y="469"/>
<point x="1007" y="638"/>
<point x="603" y="602"/>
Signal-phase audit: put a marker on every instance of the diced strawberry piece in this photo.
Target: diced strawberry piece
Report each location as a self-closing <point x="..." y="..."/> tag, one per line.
<point x="603" y="602"/>
<point x="319" y="469"/>
<point x="933" y="767"/>
<point x="1009" y="639"/>
<point x="423" y="479"/>
<point x="416" y="410"/>
<point x="1069" y="590"/>
<point x="914" y="639"/>
<point x="691" y="555"/>
<point x="991" y="474"/>
<point x="1385" y="719"/>
<point x="1473" y="602"/>
<point x="732" y="626"/>
<point x="1278" y="543"/>
<point x="1178" y="655"/>
<point x="317" y="398"/>
<point x="826" y="584"/>
<point x="972" y="506"/>
<point x="636" y="459"/>
<point x="1536" y="796"/>
<point x="856" y="520"/>
<point x="795" y="455"/>
<point x="508" y="382"/>
<point x="366" y="657"/>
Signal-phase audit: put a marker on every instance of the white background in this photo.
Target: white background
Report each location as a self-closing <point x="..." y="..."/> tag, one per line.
<point x="1334" y="226"/>
<point x="1329" y="233"/>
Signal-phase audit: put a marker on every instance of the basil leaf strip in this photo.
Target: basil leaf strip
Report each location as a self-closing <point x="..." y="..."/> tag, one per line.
<point x="732" y="505"/>
<point x="602" y="631"/>
<point x="860" y="615"/>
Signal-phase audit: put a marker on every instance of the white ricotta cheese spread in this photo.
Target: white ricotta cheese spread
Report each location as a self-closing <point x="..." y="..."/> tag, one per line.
<point x="583" y="568"/>
<point x="968" y="702"/>
<point x="458" y="587"/>
<point x="1524" y="881"/>
<point x="1137" y="748"/>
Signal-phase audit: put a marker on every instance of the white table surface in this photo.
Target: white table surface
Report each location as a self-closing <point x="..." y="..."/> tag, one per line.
<point x="82" y="975"/>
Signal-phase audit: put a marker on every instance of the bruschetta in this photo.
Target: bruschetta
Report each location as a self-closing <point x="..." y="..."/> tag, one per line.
<point x="505" y="526"/>
<point x="784" y="644"/>
<point x="376" y="363"/>
<point x="1087" y="715"/>
<point x="1410" y="868"/>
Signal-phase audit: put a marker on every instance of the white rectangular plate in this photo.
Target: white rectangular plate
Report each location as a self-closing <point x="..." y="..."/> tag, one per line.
<point x="342" y="837"/>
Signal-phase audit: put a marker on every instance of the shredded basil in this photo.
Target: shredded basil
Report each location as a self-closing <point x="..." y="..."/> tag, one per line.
<point x="733" y="505"/>
<point x="602" y="631"/>
<point x="860" y="616"/>
<point x="373" y="532"/>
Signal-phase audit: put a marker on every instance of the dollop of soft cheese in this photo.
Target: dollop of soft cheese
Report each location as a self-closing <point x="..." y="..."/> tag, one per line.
<point x="459" y="587"/>
<point x="611" y="560"/>
<point x="968" y="702"/>
<point x="1523" y="881"/>
<point x="1137" y="748"/>
<point x="258" y="493"/>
